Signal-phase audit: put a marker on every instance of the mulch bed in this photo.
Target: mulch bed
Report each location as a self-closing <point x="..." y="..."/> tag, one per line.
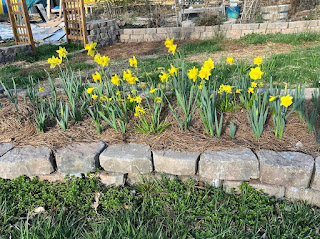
<point x="172" y="138"/>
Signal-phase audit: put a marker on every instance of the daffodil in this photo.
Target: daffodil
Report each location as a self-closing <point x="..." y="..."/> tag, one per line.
<point x="257" y="61"/>
<point x="164" y="76"/>
<point x="90" y="90"/>
<point x="173" y="70"/>
<point x="238" y="91"/>
<point x="200" y="85"/>
<point x="131" y="99"/>
<point x="139" y="111"/>
<point x="286" y="101"/>
<point x="143" y="85"/>
<point x="115" y="80"/>
<point x="158" y="100"/>
<point x="261" y="84"/>
<point x="133" y="61"/>
<point x="91" y="48"/>
<point x="103" y="61"/>
<point x="255" y="73"/>
<point x="272" y="98"/>
<point x="152" y="90"/>
<point x="227" y="89"/>
<point x="168" y="42"/>
<point x="193" y="74"/>
<point x="118" y="93"/>
<point x="132" y="80"/>
<point x="53" y="61"/>
<point x="254" y="84"/>
<point x="62" y="52"/>
<point x="138" y="99"/>
<point x="172" y="49"/>
<point x="127" y="74"/>
<point x="40" y="89"/>
<point x="96" y="76"/>
<point x="94" y="96"/>
<point x="250" y="90"/>
<point x="209" y="64"/>
<point x="204" y="73"/>
<point x="229" y="60"/>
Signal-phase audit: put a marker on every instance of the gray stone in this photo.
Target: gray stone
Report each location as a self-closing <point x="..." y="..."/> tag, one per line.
<point x="316" y="178"/>
<point x="117" y="179"/>
<point x="79" y="158"/>
<point x="285" y="168"/>
<point x="4" y="148"/>
<point x="212" y="182"/>
<point x="307" y="195"/>
<point x="127" y="158"/>
<point x="271" y="190"/>
<point x="175" y="162"/>
<point x="232" y="164"/>
<point x="1" y="90"/>
<point x="229" y="186"/>
<point x="29" y="161"/>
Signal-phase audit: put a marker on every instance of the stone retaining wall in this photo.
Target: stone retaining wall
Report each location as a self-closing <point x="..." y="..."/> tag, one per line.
<point x="233" y="31"/>
<point x="104" y="32"/>
<point x="292" y="175"/>
<point x="10" y="53"/>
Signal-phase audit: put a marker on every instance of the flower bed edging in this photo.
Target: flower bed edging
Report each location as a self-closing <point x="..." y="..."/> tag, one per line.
<point x="292" y="175"/>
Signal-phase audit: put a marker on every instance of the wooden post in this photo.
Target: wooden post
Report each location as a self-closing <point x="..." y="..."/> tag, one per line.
<point x="75" y="20"/>
<point x="20" y="23"/>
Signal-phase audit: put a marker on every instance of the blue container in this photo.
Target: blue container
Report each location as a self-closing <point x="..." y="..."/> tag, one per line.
<point x="233" y="12"/>
<point x="3" y="7"/>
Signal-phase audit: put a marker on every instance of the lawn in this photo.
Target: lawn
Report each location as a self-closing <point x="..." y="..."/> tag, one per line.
<point x="152" y="209"/>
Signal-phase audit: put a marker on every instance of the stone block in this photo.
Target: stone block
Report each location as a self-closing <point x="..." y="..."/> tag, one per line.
<point x="281" y="25"/>
<point x="285" y="168"/>
<point x="124" y="37"/>
<point x="150" y="31"/>
<point x="212" y="182"/>
<point x="139" y="31"/>
<point x="195" y="35"/>
<point x="316" y="177"/>
<point x="264" y="25"/>
<point x="175" y="162"/>
<point x="4" y="148"/>
<point x="53" y="177"/>
<point x="228" y="186"/>
<point x="29" y="161"/>
<point x="233" y="34"/>
<point x="307" y="195"/>
<point x="270" y="190"/>
<point x="137" y="38"/>
<point x="127" y="158"/>
<point x="225" y="27"/>
<point x="162" y="30"/>
<point x="298" y="24"/>
<point x="239" y="26"/>
<point x="232" y="164"/>
<point x="246" y="32"/>
<point x="252" y="26"/>
<point x="127" y="31"/>
<point x="79" y="158"/>
<point x="289" y="31"/>
<point x="117" y="179"/>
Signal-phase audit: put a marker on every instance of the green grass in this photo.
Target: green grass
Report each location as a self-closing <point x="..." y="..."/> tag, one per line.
<point x="294" y="39"/>
<point x="153" y="209"/>
<point x="205" y="46"/>
<point x="48" y="50"/>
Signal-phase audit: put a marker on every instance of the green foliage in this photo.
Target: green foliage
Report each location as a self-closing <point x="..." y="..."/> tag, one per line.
<point x="152" y="209"/>
<point x="258" y="113"/>
<point x="232" y="130"/>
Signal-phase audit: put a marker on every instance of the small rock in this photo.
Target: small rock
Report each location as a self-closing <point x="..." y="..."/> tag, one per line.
<point x="39" y="210"/>
<point x="299" y="145"/>
<point x="4" y="148"/>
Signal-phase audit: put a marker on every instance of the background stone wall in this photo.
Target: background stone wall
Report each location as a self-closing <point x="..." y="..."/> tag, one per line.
<point x="232" y="31"/>
<point x="103" y="32"/>
<point x="10" y="53"/>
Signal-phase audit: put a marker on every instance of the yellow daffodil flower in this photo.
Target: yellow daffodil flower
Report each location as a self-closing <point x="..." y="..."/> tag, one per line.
<point x="172" y="49"/>
<point x="152" y="90"/>
<point x="193" y="74"/>
<point x="286" y="101"/>
<point x="131" y="99"/>
<point x="227" y="89"/>
<point x="164" y="76"/>
<point x="133" y="61"/>
<point x="94" y="96"/>
<point x="132" y="80"/>
<point x="103" y="61"/>
<point x="91" y="48"/>
<point x="40" y="89"/>
<point x="90" y="90"/>
<point x="261" y="84"/>
<point x="169" y="42"/>
<point x="158" y="100"/>
<point x="53" y="61"/>
<point x="209" y="64"/>
<point x="229" y="60"/>
<point x="173" y="70"/>
<point x="96" y="76"/>
<point x="255" y="73"/>
<point x="272" y="98"/>
<point x="115" y="80"/>
<point x="143" y="85"/>
<point x="200" y="85"/>
<point x="62" y="52"/>
<point x="254" y="84"/>
<point x="118" y="93"/>
<point x="250" y="90"/>
<point x="139" y="111"/>
<point x="138" y="99"/>
<point x="204" y="73"/>
<point x="257" y="61"/>
<point x="238" y="91"/>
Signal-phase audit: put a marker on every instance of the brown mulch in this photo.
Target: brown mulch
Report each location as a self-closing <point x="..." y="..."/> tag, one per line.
<point x="172" y="138"/>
